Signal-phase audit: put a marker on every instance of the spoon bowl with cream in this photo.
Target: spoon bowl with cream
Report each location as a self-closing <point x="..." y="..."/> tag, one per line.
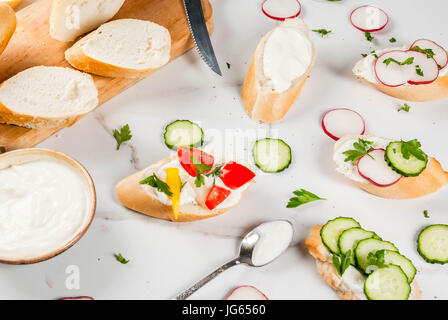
<point x="259" y="247"/>
<point x="47" y="203"/>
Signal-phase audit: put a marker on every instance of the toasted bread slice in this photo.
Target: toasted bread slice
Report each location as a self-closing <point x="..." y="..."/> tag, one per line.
<point x="328" y="271"/>
<point x="429" y="181"/>
<point x="260" y="101"/>
<point x="134" y="196"/>
<point x="420" y="93"/>
<point x="47" y="97"/>
<point x="122" y="48"/>
<point x="8" y="23"/>
<point x="71" y="18"/>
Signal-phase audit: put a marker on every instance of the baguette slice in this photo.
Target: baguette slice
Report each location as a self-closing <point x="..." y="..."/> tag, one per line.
<point x="134" y="196"/>
<point x="11" y="3"/>
<point x="122" y="48"/>
<point x="420" y="93"/>
<point x="429" y="181"/>
<point x="47" y="97"/>
<point x="260" y="101"/>
<point x="71" y="18"/>
<point x="8" y="23"/>
<point x="328" y="271"/>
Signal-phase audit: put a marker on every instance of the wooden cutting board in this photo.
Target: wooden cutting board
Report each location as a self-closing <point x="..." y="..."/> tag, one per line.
<point x="31" y="45"/>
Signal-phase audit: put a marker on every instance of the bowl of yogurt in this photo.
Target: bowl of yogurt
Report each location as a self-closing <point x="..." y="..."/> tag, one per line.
<point x="47" y="203"/>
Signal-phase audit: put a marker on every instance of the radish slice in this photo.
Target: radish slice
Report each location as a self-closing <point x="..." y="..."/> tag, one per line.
<point x="246" y="293"/>
<point x="394" y="75"/>
<point x="340" y="122"/>
<point x="440" y="54"/>
<point x="77" y="298"/>
<point x="281" y="9"/>
<point x="369" y="18"/>
<point x="377" y="170"/>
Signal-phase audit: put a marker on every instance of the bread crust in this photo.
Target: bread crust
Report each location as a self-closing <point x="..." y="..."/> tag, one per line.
<point x="77" y="58"/>
<point x="7" y="26"/>
<point x="328" y="271"/>
<point x="133" y="196"/>
<point x="12" y="3"/>
<point x="429" y="181"/>
<point x="267" y="106"/>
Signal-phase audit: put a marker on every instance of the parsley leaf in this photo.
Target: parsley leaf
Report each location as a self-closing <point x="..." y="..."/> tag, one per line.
<point x="368" y="36"/>
<point x="342" y="262"/>
<point x="375" y="260"/>
<point x="228" y="65"/>
<point x="215" y="173"/>
<point x="419" y="71"/>
<point x="121" y="259"/>
<point x="303" y="197"/>
<point x="409" y="60"/>
<point x="155" y="182"/>
<point x="199" y="181"/>
<point x="362" y="147"/>
<point x="412" y="147"/>
<point x="122" y="135"/>
<point x="405" y="107"/>
<point x="323" y="32"/>
<point x="364" y="55"/>
<point x="429" y="53"/>
<point x="392" y="40"/>
<point x="425" y="213"/>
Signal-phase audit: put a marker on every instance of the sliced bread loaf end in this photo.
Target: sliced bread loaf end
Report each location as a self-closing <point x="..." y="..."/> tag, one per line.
<point x="47" y="97"/>
<point x="122" y="48"/>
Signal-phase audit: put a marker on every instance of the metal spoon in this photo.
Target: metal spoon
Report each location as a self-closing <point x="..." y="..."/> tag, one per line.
<point x="246" y="251"/>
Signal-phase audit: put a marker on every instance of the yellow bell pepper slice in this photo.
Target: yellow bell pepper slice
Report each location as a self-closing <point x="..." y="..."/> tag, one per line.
<point x="173" y="181"/>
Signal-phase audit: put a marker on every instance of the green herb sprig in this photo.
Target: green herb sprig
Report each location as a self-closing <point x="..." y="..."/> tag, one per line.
<point x="160" y="185"/>
<point x="409" y="60"/>
<point x="405" y="107"/>
<point x="302" y="196"/>
<point x="361" y="148"/>
<point x="322" y="32"/>
<point x="121" y="259"/>
<point x="412" y="147"/>
<point x="342" y="262"/>
<point x="368" y="36"/>
<point x="429" y="53"/>
<point x="122" y="135"/>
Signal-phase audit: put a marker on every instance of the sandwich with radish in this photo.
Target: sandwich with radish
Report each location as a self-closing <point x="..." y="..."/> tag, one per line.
<point x="188" y="186"/>
<point x="416" y="72"/>
<point x="359" y="265"/>
<point x="388" y="168"/>
<point x="280" y="66"/>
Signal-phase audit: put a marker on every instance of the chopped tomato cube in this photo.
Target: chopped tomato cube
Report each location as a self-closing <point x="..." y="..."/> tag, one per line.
<point x="235" y="175"/>
<point x="216" y="196"/>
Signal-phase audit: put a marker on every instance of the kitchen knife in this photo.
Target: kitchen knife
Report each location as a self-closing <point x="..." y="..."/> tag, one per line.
<point x="199" y="32"/>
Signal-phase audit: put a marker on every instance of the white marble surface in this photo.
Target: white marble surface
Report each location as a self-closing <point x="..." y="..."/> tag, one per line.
<point x="167" y="257"/>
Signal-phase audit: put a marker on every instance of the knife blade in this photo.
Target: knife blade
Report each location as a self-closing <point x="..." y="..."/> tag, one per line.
<point x="199" y="32"/>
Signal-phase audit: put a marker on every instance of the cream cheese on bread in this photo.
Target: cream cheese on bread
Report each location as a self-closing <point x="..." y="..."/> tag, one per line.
<point x="365" y="68"/>
<point x="287" y="55"/>
<point x="349" y="169"/>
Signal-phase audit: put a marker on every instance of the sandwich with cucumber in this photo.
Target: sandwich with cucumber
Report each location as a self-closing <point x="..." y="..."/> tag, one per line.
<point x="388" y="168"/>
<point x="360" y="265"/>
<point x="416" y="72"/>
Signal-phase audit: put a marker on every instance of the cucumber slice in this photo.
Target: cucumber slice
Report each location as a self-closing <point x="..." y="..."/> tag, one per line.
<point x="432" y="243"/>
<point x="387" y="283"/>
<point x="331" y="231"/>
<point x="183" y="133"/>
<point x="271" y="155"/>
<point x="349" y="240"/>
<point x="407" y="167"/>
<point x="366" y="246"/>
<point x="393" y="257"/>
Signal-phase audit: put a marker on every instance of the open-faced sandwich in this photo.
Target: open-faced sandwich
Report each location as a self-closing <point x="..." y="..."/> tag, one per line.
<point x="185" y="187"/>
<point x="8" y="23"/>
<point x="359" y="265"/>
<point x="281" y="64"/>
<point x="415" y="73"/>
<point x="388" y="168"/>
